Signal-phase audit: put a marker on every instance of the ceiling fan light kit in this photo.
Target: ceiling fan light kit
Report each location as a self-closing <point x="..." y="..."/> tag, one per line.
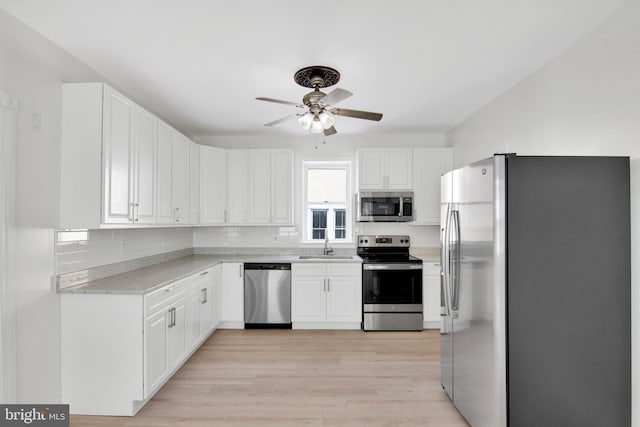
<point x="319" y="118"/>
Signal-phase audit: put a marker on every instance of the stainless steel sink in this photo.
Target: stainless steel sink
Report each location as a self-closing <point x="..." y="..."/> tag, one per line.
<point x="325" y="257"/>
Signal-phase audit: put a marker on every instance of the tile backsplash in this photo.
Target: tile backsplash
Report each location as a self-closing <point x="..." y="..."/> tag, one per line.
<point x="79" y="250"/>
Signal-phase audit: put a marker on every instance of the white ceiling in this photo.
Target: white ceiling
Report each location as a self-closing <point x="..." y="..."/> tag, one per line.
<point x="426" y="64"/>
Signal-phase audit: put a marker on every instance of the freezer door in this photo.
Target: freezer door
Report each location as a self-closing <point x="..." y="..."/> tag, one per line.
<point x="477" y="293"/>
<point x="446" y="327"/>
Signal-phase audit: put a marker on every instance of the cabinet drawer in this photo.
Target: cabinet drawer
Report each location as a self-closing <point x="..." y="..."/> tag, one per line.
<point x="431" y="268"/>
<point x="344" y="269"/>
<point x="165" y="295"/>
<point x="198" y="279"/>
<point x="309" y="269"/>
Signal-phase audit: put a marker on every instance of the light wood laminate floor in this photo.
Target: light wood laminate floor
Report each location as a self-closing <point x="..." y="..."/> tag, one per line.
<point x="281" y="378"/>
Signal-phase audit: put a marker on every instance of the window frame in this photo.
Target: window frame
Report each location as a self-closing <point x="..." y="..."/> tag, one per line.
<point x="307" y="220"/>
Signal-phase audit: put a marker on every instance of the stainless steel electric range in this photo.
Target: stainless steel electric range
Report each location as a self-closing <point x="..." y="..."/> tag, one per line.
<point x="391" y="284"/>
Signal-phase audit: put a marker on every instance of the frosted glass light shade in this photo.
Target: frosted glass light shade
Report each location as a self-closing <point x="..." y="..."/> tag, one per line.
<point x="305" y="120"/>
<point x="326" y="120"/>
<point x="316" y="126"/>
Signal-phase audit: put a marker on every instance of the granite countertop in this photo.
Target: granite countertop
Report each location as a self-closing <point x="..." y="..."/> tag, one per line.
<point x="147" y="279"/>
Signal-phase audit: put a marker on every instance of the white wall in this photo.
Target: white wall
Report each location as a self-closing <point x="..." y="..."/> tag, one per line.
<point x="585" y="102"/>
<point x="32" y="69"/>
<point x="337" y="147"/>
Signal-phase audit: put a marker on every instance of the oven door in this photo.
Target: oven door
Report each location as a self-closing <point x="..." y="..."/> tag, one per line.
<point x="393" y="287"/>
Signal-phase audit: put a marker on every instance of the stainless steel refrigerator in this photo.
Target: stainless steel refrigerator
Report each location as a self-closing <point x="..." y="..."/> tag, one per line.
<point x="536" y="291"/>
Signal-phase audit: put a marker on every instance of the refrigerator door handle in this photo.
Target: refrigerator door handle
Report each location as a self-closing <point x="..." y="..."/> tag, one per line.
<point x="445" y="263"/>
<point x="455" y="214"/>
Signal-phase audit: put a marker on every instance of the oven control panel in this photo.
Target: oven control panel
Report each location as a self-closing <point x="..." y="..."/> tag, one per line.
<point x="383" y="241"/>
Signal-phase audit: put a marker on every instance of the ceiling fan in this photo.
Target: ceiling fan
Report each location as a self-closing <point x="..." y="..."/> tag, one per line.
<point x="318" y="117"/>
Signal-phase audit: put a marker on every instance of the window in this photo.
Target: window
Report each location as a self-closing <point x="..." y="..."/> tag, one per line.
<point x="326" y="201"/>
<point x="341" y="223"/>
<point x="319" y="223"/>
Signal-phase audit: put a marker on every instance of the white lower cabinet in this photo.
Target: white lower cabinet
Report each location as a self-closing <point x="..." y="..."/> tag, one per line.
<point x="326" y="295"/>
<point x="431" y="294"/>
<point x="232" y="315"/>
<point x="201" y="302"/>
<point x="217" y="295"/>
<point x="117" y="350"/>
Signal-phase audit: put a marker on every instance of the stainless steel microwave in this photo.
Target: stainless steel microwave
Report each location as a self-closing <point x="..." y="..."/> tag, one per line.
<point x="384" y="206"/>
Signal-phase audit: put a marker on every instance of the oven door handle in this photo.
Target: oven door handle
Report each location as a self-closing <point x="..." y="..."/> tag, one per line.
<point x="392" y="266"/>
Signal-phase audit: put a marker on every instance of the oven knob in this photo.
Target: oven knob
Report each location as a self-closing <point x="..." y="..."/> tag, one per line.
<point x="366" y="241"/>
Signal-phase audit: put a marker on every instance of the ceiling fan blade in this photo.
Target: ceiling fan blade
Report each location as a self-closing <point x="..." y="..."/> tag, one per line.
<point x="284" y="119"/>
<point x="357" y="114"/>
<point x="331" y="131"/>
<point x="335" y="96"/>
<point x="279" y="101"/>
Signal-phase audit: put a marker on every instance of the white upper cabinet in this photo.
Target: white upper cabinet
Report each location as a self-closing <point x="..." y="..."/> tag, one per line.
<point x="165" y="147"/>
<point x="180" y="178"/>
<point x="118" y="157"/>
<point x="384" y="169"/>
<point x="144" y="175"/>
<point x="281" y="187"/>
<point x="259" y="187"/>
<point x="213" y="185"/>
<point x="237" y="186"/>
<point x="108" y="159"/>
<point x="428" y="165"/>
<point x="194" y="183"/>
<point x="120" y="165"/>
<point x="173" y="176"/>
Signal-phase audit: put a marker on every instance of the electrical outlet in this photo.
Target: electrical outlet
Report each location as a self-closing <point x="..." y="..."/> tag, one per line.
<point x="34" y="122"/>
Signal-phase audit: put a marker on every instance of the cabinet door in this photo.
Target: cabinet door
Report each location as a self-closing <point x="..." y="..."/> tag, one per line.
<point x="180" y="178"/>
<point x="428" y="165"/>
<point x="259" y="186"/>
<point x="431" y="292"/>
<point x="308" y="299"/>
<point x="217" y="295"/>
<point x="371" y="169"/>
<point x="206" y="310"/>
<point x="344" y="299"/>
<point x="193" y="318"/>
<point x="118" y="113"/>
<point x="213" y="185"/>
<point x="237" y="186"/>
<point x="233" y="292"/>
<point x="145" y="168"/>
<point x="155" y="350"/>
<point x="281" y="187"/>
<point x="202" y="285"/>
<point x="194" y="183"/>
<point x="178" y="347"/>
<point x="164" y="181"/>
<point x="399" y="175"/>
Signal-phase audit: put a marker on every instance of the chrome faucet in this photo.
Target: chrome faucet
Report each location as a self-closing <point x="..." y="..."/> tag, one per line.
<point x="327" y="249"/>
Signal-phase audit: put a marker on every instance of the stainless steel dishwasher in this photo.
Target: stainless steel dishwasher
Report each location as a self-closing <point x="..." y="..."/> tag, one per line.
<point x="267" y="295"/>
